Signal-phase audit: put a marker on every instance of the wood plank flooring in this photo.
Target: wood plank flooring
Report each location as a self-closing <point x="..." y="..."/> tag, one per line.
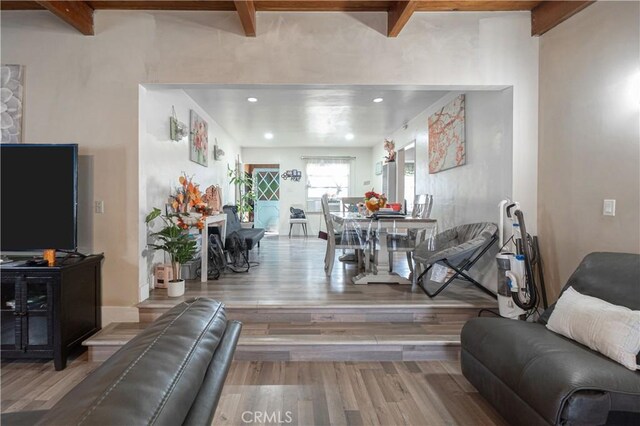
<point x="351" y="393"/>
<point x="35" y="385"/>
<point x="290" y="275"/>
<point x="358" y="341"/>
<point x="311" y="393"/>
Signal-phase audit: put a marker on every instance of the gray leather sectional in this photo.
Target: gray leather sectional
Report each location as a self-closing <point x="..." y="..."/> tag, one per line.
<point x="533" y="376"/>
<point x="170" y="374"/>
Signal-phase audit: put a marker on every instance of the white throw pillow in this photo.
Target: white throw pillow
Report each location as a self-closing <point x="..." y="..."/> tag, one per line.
<point x="612" y="330"/>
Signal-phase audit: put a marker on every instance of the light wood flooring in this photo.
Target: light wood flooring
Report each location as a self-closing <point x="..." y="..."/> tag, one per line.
<point x="352" y="393"/>
<point x="323" y="341"/>
<point x="290" y="275"/>
<point x="313" y="393"/>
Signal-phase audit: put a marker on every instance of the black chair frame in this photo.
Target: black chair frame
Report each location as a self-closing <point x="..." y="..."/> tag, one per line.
<point x="459" y="269"/>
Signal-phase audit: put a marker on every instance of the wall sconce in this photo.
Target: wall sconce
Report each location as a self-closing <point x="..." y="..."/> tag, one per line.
<point x="294" y="175"/>
<point x="177" y="129"/>
<point x="218" y="153"/>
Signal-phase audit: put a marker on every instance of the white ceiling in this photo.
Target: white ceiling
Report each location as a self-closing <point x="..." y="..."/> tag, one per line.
<point x="317" y="116"/>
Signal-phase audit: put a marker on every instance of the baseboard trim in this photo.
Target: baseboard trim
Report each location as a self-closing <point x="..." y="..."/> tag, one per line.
<point x="143" y="292"/>
<point x="119" y="314"/>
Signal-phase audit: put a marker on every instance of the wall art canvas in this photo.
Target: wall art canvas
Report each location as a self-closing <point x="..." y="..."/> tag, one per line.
<point x="199" y="140"/>
<point x="446" y="137"/>
<point x="11" y="95"/>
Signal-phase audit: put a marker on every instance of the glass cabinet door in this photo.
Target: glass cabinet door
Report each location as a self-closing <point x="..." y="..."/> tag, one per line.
<point x="9" y="300"/>
<point x="38" y="319"/>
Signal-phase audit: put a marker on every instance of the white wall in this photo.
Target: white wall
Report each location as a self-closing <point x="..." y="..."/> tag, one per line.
<point x="162" y="160"/>
<point x="589" y="137"/>
<point x="295" y="192"/>
<point x="469" y="193"/>
<point x="85" y="89"/>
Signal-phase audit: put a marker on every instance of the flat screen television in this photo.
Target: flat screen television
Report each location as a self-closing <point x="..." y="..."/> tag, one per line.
<point x="39" y="198"/>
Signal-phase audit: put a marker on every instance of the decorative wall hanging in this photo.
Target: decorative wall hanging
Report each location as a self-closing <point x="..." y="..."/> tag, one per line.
<point x="294" y="175"/>
<point x="446" y="137"/>
<point x="390" y="147"/>
<point x="11" y="95"/>
<point x="378" y="168"/>
<point x="199" y="143"/>
<point x="177" y="129"/>
<point x="218" y="153"/>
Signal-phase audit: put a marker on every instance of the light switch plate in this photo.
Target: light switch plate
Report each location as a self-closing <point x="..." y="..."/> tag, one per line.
<point x="609" y="208"/>
<point x="99" y="206"/>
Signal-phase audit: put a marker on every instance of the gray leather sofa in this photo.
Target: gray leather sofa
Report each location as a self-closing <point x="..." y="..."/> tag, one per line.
<point x="170" y="374"/>
<point x="533" y="376"/>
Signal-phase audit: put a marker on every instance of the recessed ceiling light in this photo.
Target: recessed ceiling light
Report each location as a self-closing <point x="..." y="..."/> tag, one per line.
<point x="268" y="135"/>
<point x="252" y="100"/>
<point x="349" y="136"/>
<point x="378" y="100"/>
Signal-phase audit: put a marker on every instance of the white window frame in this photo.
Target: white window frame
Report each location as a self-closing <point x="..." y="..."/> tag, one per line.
<point x="312" y="204"/>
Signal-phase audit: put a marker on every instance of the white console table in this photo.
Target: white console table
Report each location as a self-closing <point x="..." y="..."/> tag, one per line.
<point x="219" y="220"/>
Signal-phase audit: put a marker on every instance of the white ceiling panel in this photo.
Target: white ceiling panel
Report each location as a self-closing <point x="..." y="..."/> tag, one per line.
<point x="317" y="116"/>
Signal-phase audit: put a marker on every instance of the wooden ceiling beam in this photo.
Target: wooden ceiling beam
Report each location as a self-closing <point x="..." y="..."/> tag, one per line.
<point x="548" y="14"/>
<point x="247" y="13"/>
<point x="221" y="5"/>
<point x="398" y="15"/>
<point x="78" y="14"/>
<point x="19" y="5"/>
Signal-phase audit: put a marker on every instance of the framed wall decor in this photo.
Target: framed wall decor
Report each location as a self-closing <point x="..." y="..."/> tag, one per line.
<point x="199" y="140"/>
<point x="12" y="77"/>
<point x="447" y="146"/>
<point x="378" y="168"/>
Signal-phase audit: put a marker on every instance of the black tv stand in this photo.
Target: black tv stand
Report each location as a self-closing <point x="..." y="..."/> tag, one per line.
<point x="48" y="311"/>
<point x="36" y="262"/>
<point x="72" y="253"/>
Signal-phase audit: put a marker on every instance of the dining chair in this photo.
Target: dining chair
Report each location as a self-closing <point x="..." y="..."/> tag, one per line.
<point x="297" y="217"/>
<point x="348" y="238"/>
<point x="407" y="242"/>
<point x="350" y="204"/>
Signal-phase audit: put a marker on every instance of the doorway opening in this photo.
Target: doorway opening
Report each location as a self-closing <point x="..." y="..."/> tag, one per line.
<point x="266" y="187"/>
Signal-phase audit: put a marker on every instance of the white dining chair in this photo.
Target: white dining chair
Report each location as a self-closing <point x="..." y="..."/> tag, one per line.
<point x="408" y="241"/>
<point x="346" y="239"/>
<point x="296" y="220"/>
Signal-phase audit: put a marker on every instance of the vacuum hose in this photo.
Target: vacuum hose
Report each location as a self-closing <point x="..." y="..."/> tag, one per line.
<point x="526" y="251"/>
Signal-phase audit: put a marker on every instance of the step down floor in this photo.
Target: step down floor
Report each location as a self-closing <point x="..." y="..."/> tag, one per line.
<point x="329" y="341"/>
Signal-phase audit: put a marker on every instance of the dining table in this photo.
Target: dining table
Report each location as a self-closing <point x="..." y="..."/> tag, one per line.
<point x="375" y="230"/>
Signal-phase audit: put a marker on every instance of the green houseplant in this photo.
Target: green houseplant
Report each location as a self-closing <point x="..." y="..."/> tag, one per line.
<point x="244" y="182"/>
<point x="173" y="240"/>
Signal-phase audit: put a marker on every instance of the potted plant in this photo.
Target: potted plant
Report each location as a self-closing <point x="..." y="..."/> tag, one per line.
<point x="244" y="204"/>
<point x="173" y="240"/>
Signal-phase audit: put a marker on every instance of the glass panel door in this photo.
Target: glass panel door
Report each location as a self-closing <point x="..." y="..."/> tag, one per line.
<point x="38" y="318"/>
<point x="266" y="183"/>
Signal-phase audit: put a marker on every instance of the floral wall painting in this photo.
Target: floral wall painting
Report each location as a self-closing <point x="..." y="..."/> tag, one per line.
<point x="446" y="137"/>
<point x="199" y="140"/>
<point x="11" y="88"/>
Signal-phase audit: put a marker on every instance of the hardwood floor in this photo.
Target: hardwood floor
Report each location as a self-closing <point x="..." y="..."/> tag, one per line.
<point x="290" y="274"/>
<point x="351" y="393"/>
<point x="35" y="385"/>
<point x="310" y="393"/>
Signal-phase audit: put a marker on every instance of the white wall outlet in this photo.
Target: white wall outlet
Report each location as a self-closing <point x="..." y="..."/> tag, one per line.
<point x="609" y="208"/>
<point x="99" y="206"/>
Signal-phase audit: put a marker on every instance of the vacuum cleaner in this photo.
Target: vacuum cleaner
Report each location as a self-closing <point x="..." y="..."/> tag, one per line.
<point x="517" y="291"/>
